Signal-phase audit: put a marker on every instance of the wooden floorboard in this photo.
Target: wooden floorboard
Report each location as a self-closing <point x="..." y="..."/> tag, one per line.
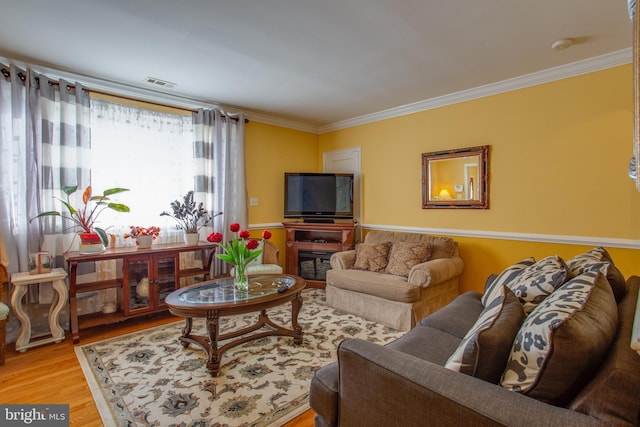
<point x="51" y="374"/>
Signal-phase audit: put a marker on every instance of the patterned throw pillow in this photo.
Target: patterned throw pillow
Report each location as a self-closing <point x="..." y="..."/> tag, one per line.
<point x="406" y="255"/>
<point x="372" y="256"/>
<point x="507" y="275"/>
<point x="563" y="340"/>
<point x="484" y="351"/>
<point x="537" y="281"/>
<point x="599" y="259"/>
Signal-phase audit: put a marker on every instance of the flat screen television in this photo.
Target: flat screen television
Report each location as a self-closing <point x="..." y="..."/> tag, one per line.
<point x="318" y="197"/>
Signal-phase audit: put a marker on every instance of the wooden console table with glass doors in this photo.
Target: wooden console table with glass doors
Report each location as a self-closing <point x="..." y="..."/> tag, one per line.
<point x="144" y="278"/>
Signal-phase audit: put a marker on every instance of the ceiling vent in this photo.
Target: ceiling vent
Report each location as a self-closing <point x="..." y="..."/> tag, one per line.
<point x="158" y="82"/>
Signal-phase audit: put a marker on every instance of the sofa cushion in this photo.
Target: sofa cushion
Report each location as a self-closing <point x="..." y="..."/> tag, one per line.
<point x="441" y="247"/>
<point x="457" y="317"/>
<point x="323" y="392"/>
<point x="599" y="258"/>
<point x="406" y="255"/>
<point x="563" y="340"/>
<point x="387" y="286"/>
<point x="484" y="351"/>
<point x="612" y="395"/>
<point x="372" y="256"/>
<point x="535" y="282"/>
<point x="506" y="276"/>
<point x="419" y="342"/>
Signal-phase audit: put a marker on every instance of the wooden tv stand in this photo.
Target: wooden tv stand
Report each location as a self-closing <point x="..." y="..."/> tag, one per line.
<point x="315" y="242"/>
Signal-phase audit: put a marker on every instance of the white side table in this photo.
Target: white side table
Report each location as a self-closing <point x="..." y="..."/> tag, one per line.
<point x="21" y="281"/>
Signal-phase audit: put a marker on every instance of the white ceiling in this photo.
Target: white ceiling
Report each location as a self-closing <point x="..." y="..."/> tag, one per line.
<point x="317" y="62"/>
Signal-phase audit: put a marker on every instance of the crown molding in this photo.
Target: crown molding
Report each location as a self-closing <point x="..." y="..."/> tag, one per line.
<point x="150" y="95"/>
<point x="573" y="69"/>
<point x="282" y="122"/>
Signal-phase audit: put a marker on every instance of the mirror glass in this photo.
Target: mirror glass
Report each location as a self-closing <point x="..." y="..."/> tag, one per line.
<point x="456" y="178"/>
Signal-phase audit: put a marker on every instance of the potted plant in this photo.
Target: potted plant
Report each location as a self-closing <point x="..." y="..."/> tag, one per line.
<point x="190" y="216"/>
<point x="92" y="238"/>
<point x="144" y="236"/>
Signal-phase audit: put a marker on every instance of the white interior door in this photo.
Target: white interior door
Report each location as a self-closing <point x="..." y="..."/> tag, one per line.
<point x="347" y="161"/>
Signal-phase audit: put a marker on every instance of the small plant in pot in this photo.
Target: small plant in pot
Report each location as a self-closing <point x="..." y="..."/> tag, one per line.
<point x="190" y="216"/>
<point x="92" y="238"/>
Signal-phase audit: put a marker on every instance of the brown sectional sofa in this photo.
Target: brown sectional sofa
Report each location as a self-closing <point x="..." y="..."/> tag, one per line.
<point x="406" y="383"/>
<point x="393" y="300"/>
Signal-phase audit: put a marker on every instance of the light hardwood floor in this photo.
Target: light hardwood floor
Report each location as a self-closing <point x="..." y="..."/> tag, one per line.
<point x="51" y="374"/>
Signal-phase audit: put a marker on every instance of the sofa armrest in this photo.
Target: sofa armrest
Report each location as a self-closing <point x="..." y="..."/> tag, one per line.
<point x="436" y="271"/>
<point x="382" y="386"/>
<point x="343" y="260"/>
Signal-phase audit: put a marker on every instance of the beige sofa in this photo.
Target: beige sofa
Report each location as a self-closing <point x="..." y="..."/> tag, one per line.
<point x="392" y="299"/>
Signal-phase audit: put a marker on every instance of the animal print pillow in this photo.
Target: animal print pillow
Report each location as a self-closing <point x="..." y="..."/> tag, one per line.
<point x="506" y="276"/>
<point x="537" y="281"/>
<point x="596" y="259"/>
<point x="484" y="350"/>
<point x="563" y="340"/>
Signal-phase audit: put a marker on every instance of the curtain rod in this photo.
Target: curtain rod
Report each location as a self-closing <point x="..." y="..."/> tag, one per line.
<point x="6" y="73"/>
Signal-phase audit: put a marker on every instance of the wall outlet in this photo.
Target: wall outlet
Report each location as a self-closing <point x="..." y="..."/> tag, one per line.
<point x="253" y="201"/>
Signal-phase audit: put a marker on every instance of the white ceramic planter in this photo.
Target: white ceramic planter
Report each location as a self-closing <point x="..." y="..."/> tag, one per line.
<point x="191" y="238"/>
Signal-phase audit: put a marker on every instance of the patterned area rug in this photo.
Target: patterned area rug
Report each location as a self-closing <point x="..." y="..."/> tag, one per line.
<point x="148" y="378"/>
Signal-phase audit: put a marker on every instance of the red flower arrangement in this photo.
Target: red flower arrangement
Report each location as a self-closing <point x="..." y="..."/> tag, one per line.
<point x="136" y="231"/>
<point x="240" y="250"/>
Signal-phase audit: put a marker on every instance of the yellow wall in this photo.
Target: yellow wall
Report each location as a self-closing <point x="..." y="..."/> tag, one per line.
<point x="270" y="152"/>
<point x="558" y="167"/>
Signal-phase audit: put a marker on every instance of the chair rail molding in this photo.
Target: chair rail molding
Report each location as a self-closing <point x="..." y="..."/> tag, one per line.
<point x="506" y="235"/>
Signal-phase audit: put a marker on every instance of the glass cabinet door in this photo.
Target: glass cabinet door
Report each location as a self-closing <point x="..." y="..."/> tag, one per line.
<point x="137" y="286"/>
<point x="167" y="277"/>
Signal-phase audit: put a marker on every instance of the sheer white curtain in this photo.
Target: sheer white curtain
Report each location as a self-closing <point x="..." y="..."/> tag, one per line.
<point x="44" y="139"/>
<point x="13" y="165"/>
<point x="146" y="151"/>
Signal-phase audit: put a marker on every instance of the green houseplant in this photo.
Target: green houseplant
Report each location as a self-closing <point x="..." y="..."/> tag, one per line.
<point x="84" y="217"/>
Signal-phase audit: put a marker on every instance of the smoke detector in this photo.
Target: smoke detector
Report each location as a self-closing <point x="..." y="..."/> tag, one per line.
<point x="561" y="44"/>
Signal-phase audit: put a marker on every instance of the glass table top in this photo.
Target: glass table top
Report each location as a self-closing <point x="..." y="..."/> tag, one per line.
<point x="222" y="290"/>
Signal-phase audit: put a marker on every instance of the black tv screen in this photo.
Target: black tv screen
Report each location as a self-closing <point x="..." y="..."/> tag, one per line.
<point x="318" y="195"/>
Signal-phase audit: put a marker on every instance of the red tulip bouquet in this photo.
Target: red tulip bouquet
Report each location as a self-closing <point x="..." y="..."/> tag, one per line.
<point x="239" y="252"/>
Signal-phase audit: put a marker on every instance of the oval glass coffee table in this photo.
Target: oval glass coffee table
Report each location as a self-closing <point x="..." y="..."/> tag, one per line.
<point x="216" y="298"/>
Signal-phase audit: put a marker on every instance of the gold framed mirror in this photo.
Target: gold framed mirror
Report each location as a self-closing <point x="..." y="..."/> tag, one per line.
<point x="456" y="179"/>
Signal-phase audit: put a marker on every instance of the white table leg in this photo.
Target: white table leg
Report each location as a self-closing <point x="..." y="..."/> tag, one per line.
<point x="25" y="323"/>
<point x="62" y="294"/>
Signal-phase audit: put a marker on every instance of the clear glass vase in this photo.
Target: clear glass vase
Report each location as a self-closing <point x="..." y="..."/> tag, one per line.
<point x="241" y="279"/>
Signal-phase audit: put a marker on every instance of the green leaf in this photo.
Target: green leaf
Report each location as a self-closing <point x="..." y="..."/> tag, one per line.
<point x="226" y="258"/>
<point x="69" y="190"/>
<point x="115" y="190"/>
<point x="48" y="213"/>
<point x="119" y="207"/>
<point x="103" y="236"/>
<point x="72" y="211"/>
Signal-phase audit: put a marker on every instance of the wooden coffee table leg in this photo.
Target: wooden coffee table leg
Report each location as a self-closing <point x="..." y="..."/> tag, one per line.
<point x="186" y="331"/>
<point x="296" y="305"/>
<point x="213" y="330"/>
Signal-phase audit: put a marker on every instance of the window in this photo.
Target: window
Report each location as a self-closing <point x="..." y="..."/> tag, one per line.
<point x="148" y="152"/>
